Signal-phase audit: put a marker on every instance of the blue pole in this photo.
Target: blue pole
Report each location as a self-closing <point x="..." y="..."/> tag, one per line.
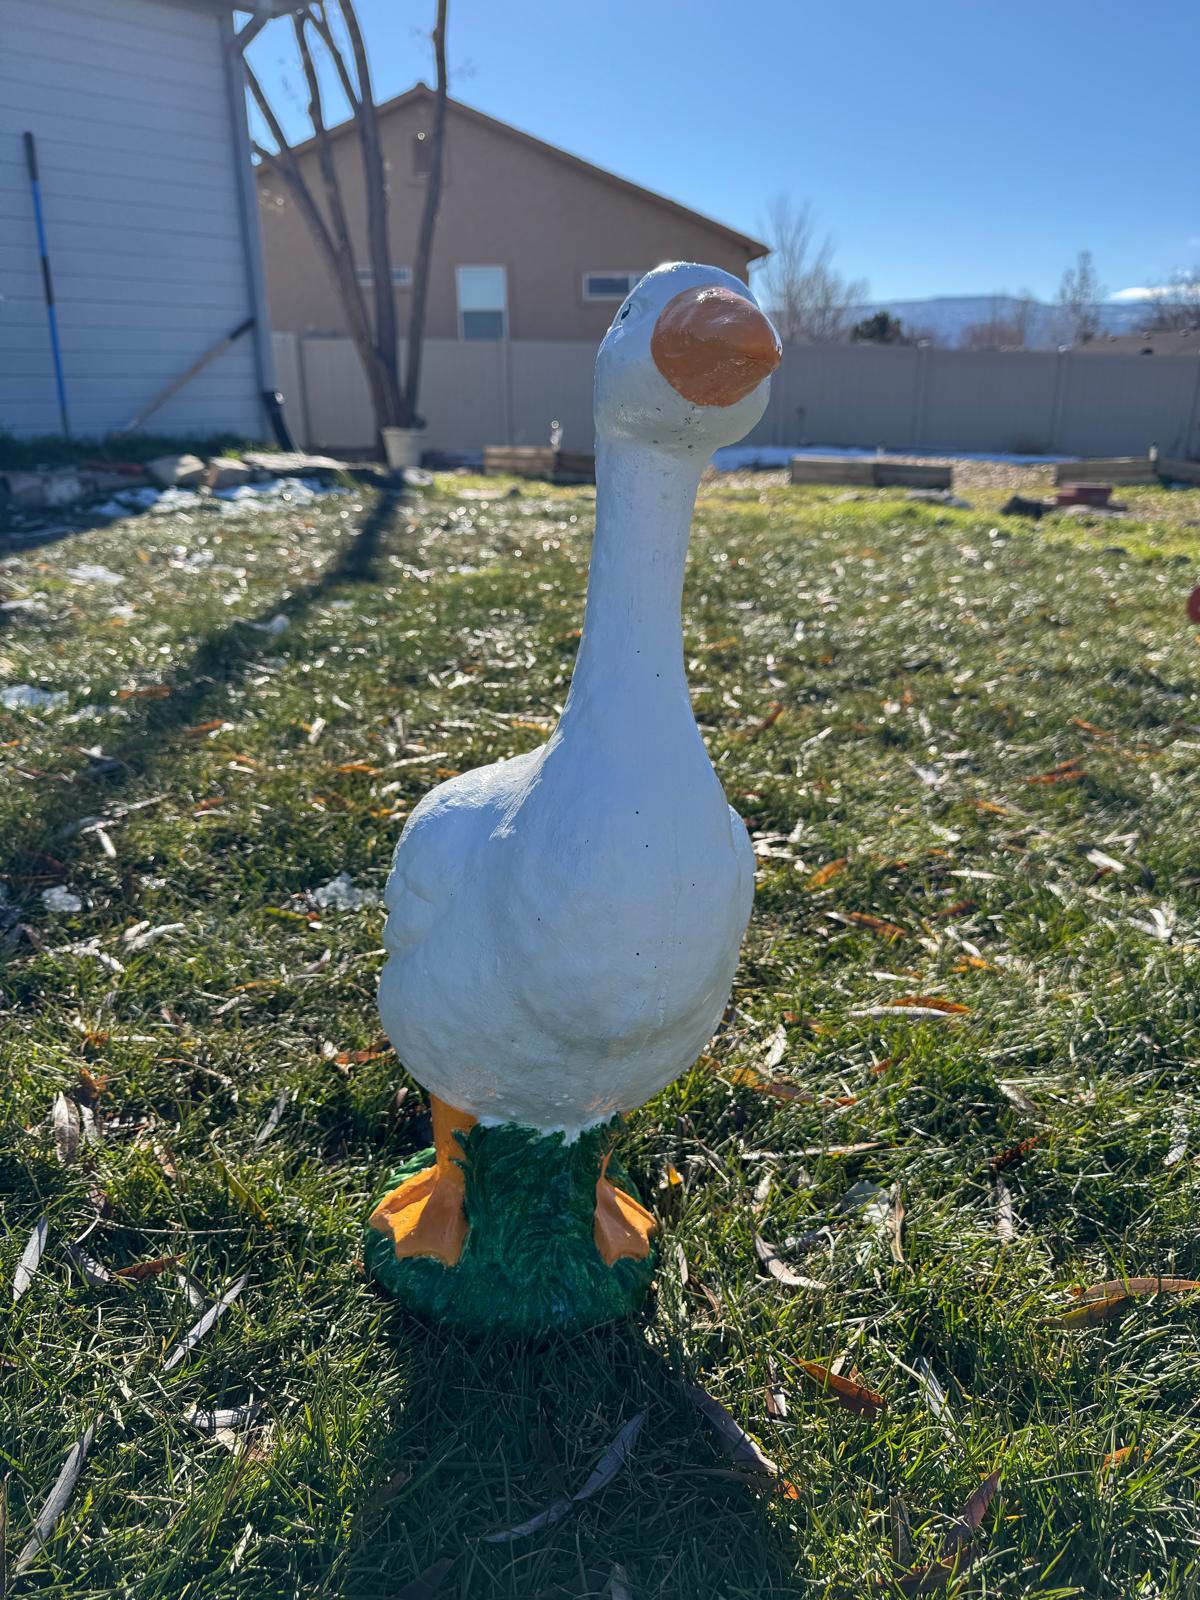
<point x="47" y="283"/>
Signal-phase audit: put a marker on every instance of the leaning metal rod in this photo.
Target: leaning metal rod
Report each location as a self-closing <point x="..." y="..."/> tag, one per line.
<point x="31" y="162"/>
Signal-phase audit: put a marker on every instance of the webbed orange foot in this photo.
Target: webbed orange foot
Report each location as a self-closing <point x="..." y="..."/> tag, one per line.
<point x="623" y="1226"/>
<point x="424" y="1215"/>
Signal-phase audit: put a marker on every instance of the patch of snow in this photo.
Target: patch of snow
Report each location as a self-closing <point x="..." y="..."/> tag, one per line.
<point x="339" y="894"/>
<point x="744" y="457"/>
<point x="24" y="697"/>
<point x="277" y="625"/>
<point x="90" y="572"/>
<point x="60" y="900"/>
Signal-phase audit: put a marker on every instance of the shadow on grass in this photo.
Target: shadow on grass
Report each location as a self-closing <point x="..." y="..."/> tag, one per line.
<point x="196" y="687"/>
<point x="491" y="1433"/>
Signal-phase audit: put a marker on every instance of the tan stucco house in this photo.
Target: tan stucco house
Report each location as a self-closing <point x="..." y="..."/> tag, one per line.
<point x="532" y="243"/>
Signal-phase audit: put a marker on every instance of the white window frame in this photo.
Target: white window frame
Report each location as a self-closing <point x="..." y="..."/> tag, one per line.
<point x="608" y="272"/>
<point x="487" y="266"/>
<point x="401" y="277"/>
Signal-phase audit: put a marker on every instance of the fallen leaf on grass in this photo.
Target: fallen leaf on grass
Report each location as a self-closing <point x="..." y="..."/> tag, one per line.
<point x="930" y="1002"/>
<point x="1005" y="1221"/>
<point x="853" y="1396"/>
<point x="842" y="1149"/>
<point x="895" y="1225"/>
<point x="91" y="1087"/>
<point x="741" y="1449"/>
<point x="782" y="1089"/>
<point x="1091" y="1312"/>
<point x="93" y="1272"/>
<point x="971" y="1516"/>
<point x="387" y="1492"/>
<point x="30" y="1257"/>
<point x="769" y="721"/>
<point x="604" y="1472"/>
<point x="1014" y="1154"/>
<point x="429" y="1584"/>
<point x="934" y="1393"/>
<point x="779" y="1270"/>
<point x="776" y="1399"/>
<point x="194" y="1334"/>
<point x="153" y="691"/>
<point x="1136" y="1286"/>
<point x="958" y="1552"/>
<point x="141" y="1270"/>
<point x="66" y="1129"/>
<point x="56" y="1501"/>
<point x="1068" y="772"/>
<point x="273" y="1117"/>
<point x="618" y="1584"/>
<point x="906" y="1011"/>
<point x="864" y="919"/>
<point x="825" y="874"/>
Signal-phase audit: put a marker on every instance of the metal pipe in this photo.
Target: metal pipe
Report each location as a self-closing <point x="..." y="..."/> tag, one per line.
<point x="31" y="161"/>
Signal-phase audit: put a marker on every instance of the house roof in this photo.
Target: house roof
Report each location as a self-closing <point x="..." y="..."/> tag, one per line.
<point x="754" y="248"/>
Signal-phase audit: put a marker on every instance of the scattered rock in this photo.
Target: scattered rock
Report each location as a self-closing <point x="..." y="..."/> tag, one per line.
<point x="1087" y="512"/>
<point x="1018" y="505"/>
<point x="286" y="464"/>
<point x="941" y="497"/>
<point x="60" y="900"/>
<point x="45" y="489"/>
<point x="24" y="697"/>
<point x="91" y="572"/>
<point x="339" y="894"/>
<point x="226" y="473"/>
<point x="177" y="472"/>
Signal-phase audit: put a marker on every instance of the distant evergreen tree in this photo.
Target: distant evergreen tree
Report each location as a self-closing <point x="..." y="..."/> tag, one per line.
<point x="882" y="328"/>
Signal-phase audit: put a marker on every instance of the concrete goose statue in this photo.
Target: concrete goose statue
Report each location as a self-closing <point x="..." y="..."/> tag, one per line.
<point x="563" y="927"/>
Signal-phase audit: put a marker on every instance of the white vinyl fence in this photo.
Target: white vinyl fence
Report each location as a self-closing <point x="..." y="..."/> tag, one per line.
<point x="477" y="393"/>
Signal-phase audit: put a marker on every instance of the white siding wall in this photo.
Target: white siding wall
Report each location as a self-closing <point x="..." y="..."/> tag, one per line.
<point x="128" y="102"/>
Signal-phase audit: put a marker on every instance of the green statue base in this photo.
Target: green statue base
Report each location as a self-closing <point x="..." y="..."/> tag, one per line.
<point x="509" y="1231"/>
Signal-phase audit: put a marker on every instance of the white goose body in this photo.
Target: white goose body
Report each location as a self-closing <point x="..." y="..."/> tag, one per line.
<point x="563" y="927"/>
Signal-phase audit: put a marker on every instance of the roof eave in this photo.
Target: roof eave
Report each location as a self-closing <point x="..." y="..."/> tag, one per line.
<point x="755" y="249"/>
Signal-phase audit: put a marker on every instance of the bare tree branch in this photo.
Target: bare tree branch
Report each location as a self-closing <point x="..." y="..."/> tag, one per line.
<point x="808" y="298"/>
<point x="246" y="35"/>
<point x="330" y="224"/>
<point x="321" y="23"/>
<point x="433" y="200"/>
<point x="1079" y="294"/>
<point x="378" y="240"/>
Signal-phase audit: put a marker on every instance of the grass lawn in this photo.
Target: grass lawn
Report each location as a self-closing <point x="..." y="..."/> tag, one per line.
<point x="968" y="754"/>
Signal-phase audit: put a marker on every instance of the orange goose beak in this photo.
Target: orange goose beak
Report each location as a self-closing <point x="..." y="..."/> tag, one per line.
<point x="713" y="346"/>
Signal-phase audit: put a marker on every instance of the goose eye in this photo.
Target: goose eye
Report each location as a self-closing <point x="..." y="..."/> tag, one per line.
<point x="624" y="311"/>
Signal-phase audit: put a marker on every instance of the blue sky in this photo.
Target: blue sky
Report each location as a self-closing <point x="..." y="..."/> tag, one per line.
<point x="949" y="148"/>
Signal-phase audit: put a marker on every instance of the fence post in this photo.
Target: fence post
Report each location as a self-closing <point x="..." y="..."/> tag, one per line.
<point x="1058" y="403"/>
<point x="920" y="393"/>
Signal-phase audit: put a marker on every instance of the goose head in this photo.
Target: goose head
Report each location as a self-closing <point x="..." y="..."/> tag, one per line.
<point x="686" y="364"/>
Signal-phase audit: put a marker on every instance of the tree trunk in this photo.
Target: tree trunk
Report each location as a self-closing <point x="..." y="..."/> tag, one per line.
<point x="429" y="214"/>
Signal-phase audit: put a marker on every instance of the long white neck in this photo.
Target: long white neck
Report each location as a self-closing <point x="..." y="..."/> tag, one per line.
<point x="630" y="665"/>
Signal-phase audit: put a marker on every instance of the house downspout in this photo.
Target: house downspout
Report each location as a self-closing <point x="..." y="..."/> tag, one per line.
<point x="264" y="356"/>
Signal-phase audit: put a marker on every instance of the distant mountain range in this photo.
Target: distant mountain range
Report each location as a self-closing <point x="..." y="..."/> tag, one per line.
<point x="946" y="317"/>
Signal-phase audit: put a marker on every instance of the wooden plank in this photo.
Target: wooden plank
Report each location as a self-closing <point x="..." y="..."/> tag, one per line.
<point x="833" y="470"/>
<point x="540" y="461"/>
<point x="1107" y="469"/>
<point x="911" y="475"/>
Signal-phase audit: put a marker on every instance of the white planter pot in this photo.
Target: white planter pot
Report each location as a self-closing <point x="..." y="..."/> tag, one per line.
<point x="402" y="447"/>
